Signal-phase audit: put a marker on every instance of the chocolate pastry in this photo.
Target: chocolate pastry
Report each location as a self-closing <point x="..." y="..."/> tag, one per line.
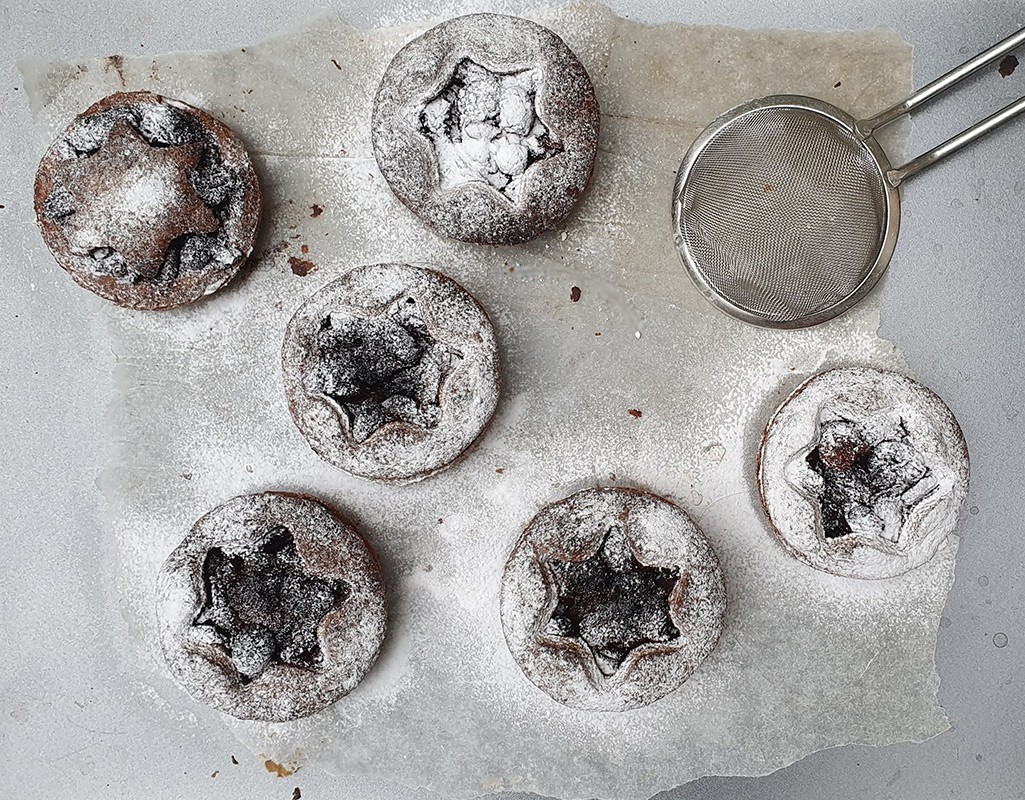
<point x="611" y="598"/>
<point x="862" y="473"/>
<point x="271" y="608"/>
<point x="147" y="201"/>
<point x="391" y="371"/>
<point x="486" y="127"/>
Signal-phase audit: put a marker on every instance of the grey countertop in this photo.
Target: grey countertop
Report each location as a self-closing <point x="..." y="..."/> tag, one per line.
<point x="951" y="302"/>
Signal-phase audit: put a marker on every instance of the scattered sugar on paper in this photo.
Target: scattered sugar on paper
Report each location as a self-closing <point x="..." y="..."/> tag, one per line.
<point x="445" y="706"/>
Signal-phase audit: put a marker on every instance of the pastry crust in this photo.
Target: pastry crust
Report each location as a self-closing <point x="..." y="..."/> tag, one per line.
<point x="367" y="320"/>
<point x="862" y="473"/>
<point x="661" y="539"/>
<point x="349" y="634"/>
<point x="147" y="201"/>
<point x="564" y="102"/>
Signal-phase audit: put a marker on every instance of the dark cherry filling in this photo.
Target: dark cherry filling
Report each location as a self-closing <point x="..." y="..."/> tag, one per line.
<point x="383" y="369"/>
<point x="864" y="484"/>
<point x="612" y="602"/>
<point x="265" y="606"/>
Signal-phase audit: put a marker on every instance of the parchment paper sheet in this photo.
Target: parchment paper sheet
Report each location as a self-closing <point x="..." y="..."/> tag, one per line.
<point x="807" y="661"/>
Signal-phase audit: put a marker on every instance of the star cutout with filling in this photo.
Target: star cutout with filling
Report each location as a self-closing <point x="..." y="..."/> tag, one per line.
<point x="486" y="128"/>
<point x="132" y="199"/>
<point x="865" y="477"/>
<point x="265" y="607"/>
<point x="611" y="602"/>
<point x="383" y="369"/>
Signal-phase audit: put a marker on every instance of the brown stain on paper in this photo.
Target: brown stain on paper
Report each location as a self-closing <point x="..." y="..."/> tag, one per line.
<point x="117" y="63"/>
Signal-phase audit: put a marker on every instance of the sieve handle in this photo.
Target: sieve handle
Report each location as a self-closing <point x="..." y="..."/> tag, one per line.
<point x="866" y="128"/>
<point x="955" y="143"/>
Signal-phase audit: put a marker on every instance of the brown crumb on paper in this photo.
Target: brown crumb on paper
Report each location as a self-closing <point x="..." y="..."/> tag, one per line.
<point x="301" y="266"/>
<point x="317" y="210"/>
<point x="215" y="773"/>
<point x="636" y="413"/>
<point x="280" y="770"/>
<point x="837" y="84"/>
<point x="574" y="294"/>
<point x="234" y="760"/>
<point x="337" y="65"/>
<point x="1008" y="65"/>
<point x="296" y="794"/>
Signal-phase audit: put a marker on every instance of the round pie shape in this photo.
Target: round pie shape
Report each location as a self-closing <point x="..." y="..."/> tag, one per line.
<point x="862" y="473"/>
<point x="147" y="201"/>
<point x="272" y="608"/>
<point x="486" y="127"/>
<point x="391" y="371"/>
<point x="611" y="598"/>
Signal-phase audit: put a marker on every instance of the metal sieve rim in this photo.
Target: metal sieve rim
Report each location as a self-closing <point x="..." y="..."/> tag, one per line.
<point x="891" y="226"/>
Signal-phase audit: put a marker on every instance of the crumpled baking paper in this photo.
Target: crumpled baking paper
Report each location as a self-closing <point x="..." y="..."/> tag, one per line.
<point x="807" y="661"/>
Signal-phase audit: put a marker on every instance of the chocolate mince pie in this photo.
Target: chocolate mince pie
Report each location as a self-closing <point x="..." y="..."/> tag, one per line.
<point x="611" y="598"/>
<point x="147" y="201"/>
<point x="271" y="608"/>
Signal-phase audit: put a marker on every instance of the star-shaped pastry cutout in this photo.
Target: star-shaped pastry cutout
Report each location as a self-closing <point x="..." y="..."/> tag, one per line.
<point x="383" y="369"/>
<point x="265" y="607"/>
<point x="132" y="199"/>
<point x="611" y="602"/>
<point x="864" y="477"/>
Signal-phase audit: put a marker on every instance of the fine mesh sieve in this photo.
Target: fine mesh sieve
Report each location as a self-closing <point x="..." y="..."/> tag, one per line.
<point x="786" y="209"/>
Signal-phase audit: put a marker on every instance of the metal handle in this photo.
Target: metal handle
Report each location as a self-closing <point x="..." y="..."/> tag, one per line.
<point x="955" y="143"/>
<point x="866" y="128"/>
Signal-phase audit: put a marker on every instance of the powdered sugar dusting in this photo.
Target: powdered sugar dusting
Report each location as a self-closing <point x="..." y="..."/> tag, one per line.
<point x="445" y="705"/>
<point x="485" y="127"/>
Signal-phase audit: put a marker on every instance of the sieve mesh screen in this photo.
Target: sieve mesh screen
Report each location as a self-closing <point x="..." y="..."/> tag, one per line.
<point x="783" y="212"/>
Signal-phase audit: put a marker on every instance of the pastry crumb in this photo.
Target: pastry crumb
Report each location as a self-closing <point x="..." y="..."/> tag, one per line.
<point x="275" y="768"/>
<point x="301" y="266"/>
